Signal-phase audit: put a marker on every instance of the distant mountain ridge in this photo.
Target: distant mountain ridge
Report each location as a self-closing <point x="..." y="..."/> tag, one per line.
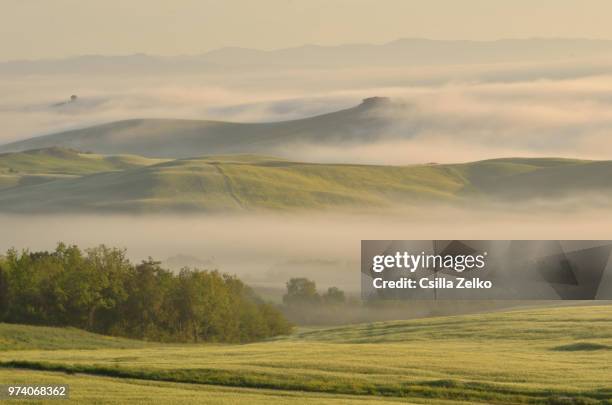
<point x="402" y="52"/>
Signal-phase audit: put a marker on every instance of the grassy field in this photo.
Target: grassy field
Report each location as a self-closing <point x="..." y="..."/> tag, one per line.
<point x="86" y="183"/>
<point x="108" y="390"/>
<point x="24" y="337"/>
<point x="541" y="356"/>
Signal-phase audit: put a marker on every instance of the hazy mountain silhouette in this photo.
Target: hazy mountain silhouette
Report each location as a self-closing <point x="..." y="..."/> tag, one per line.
<point x="174" y="138"/>
<point x="402" y="52"/>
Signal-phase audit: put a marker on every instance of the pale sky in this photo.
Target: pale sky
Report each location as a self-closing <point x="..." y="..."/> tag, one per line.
<point x="33" y="29"/>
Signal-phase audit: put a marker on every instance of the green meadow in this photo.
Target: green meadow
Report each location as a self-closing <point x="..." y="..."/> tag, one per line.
<point x="535" y="356"/>
<point x="44" y="165"/>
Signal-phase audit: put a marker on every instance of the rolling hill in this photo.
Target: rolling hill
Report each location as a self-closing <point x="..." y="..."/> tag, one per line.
<point x="251" y="182"/>
<point x="42" y="165"/>
<point x="171" y="138"/>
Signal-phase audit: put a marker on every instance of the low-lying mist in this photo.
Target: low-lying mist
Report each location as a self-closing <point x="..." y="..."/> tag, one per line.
<point x="453" y="113"/>
<point x="267" y="249"/>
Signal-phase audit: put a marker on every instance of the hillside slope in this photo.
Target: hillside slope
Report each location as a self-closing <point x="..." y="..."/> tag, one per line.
<point x="536" y="178"/>
<point x="250" y="182"/>
<point x="235" y="183"/>
<point x="42" y="165"/>
<point x="563" y="323"/>
<point x="171" y="138"/>
<point x="26" y="337"/>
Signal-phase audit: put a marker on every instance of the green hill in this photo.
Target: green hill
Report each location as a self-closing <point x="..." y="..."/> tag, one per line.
<point x="569" y="179"/>
<point x="174" y="138"/>
<point x="42" y="165"/>
<point x="249" y="182"/>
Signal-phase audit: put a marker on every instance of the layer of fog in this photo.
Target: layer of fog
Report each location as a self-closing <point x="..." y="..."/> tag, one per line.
<point x="266" y="250"/>
<point x="455" y="121"/>
<point x="454" y="113"/>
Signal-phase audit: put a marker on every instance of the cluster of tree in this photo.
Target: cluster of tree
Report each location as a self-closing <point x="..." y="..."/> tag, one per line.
<point x="302" y="291"/>
<point x="100" y="290"/>
<point x="304" y="305"/>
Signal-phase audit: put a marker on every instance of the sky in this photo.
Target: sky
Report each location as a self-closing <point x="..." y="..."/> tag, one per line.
<point x="38" y="29"/>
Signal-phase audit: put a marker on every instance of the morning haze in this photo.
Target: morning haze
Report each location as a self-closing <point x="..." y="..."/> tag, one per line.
<point x="65" y="28"/>
<point x="180" y="173"/>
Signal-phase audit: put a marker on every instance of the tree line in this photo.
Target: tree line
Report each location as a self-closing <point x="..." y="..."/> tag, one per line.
<point x="100" y="290"/>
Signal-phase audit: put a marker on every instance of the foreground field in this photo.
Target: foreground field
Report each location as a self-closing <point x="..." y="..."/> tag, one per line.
<point x="547" y="356"/>
<point x="108" y="390"/>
